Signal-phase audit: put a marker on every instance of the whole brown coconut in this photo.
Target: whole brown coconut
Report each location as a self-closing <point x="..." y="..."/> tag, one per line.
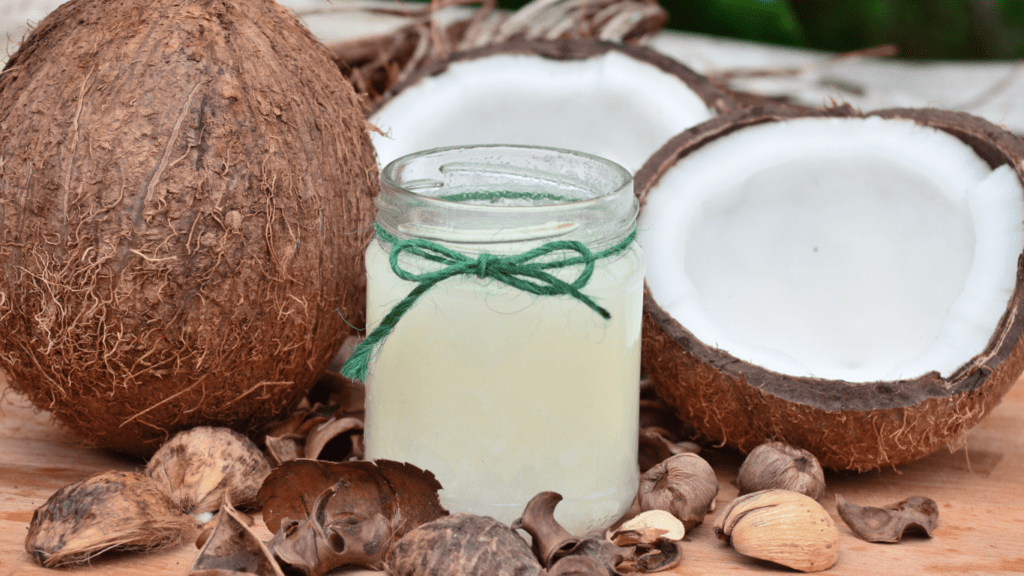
<point x="185" y="190"/>
<point x="846" y="425"/>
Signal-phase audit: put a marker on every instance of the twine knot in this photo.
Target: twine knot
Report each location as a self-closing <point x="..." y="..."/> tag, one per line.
<point x="527" y="272"/>
<point x="481" y="265"/>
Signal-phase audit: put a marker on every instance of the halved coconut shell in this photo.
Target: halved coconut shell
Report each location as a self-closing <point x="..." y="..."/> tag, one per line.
<point x="618" y="101"/>
<point x="848" y="423"/>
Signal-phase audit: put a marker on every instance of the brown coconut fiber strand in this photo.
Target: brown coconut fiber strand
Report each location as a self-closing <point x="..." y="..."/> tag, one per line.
<point x="847" y="426"/>
<point x="185" y="193"/>
<point x="376" y="64"/>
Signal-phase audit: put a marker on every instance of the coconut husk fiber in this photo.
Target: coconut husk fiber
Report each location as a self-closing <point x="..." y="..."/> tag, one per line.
<point x="185" y="193"/>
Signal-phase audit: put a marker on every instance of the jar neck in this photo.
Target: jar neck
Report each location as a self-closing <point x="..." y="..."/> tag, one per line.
<point x="506" y="198"/>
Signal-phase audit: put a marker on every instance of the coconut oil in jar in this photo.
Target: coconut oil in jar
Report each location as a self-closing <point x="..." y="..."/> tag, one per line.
<point x="500" y="392"/>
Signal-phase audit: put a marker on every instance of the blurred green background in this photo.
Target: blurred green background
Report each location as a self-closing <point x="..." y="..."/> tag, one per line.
<point x="924" y="29"/>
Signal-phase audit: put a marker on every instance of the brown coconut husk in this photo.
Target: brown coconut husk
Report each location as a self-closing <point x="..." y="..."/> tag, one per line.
<point x="715" y="98"/>
<point x="847" y="426"/>
<point x="187" y="191"/>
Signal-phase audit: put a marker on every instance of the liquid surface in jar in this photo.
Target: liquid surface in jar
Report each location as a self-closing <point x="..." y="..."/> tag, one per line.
<point x="503" y="394"/>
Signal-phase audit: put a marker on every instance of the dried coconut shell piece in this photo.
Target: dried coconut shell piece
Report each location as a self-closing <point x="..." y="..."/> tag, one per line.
<point x="684" y="484"/>
<point x="473" y="546"/>
<point x="550" y="539"/>
<point x="590" y="557"/>
<point x="560" y="552"/>
<point x="656" y="533"/>
<point x="234" y="550"/>
<point x="201" y="467"/>
<point x="344" y="431"/>
<point x="108" y="511"/>
<point x="647" y="528"/>
<point x="782" y="527"/>
<point x="327" y="514"/>
<point x="322" y="541"/>
<point x="889" y="523"/>
<point x="779" y="465"/>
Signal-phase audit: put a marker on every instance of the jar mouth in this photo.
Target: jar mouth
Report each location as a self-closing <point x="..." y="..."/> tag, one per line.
<point x="506" y="193"/>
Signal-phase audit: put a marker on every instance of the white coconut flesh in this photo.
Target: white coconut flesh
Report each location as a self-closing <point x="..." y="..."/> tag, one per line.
<point x="842" y="249"/>
<point x="611" y="105"/>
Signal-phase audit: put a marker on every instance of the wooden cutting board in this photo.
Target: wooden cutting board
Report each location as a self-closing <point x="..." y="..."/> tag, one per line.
<point x="979" y="489"/>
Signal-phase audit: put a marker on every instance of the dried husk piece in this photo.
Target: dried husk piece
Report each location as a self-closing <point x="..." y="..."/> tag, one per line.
<point x="656" y="535"/>
<point x="782" y="527"/>
<point x="559" y="551"/>
<point x="889" y="523"/>
<point x="322" y="541"/>
<point x="328" y="514"/>
<point x="590" y="557"/>
<point x="332" y="432"/>
<point x="684" y="484"/>
<point x="108" y="511"/>
<point x="232" y="549"/>
<point x="550" y="539"/>
<point x="647" y="528"/>
<point x="203" y="466"/>
<point x="662" y="433"/>
<point x="779" y="465"/>
<point x="473" y="546"/>
<point x="328" y="426"/>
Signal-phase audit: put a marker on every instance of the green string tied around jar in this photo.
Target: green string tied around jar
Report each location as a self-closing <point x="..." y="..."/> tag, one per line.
<point x="527" y="271"/>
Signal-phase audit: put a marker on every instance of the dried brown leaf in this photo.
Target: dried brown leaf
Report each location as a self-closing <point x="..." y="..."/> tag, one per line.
<point x="232" y="549"/>
<point x="888" y="524"/>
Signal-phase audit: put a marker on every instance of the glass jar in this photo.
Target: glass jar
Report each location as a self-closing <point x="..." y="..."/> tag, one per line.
<point x="500" y="392"/>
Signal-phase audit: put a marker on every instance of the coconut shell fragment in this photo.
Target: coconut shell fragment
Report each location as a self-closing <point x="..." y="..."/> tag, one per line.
<point x="889" y="523"/>
<point x="779" y="465"/>
<point x="324" y="540"/>
<point x="782" y="527"/>
<point x="107" y="511"/>
<point x="234" y="550"/>
<point x="473" y="546"/>
<point x="846" y="425"/>
<point x="683" y="485"/>
<point x="188" y="191"/>
<point x="402" y="494"/>
<point x="560" y="552"/>
<point x="202" y="467"/>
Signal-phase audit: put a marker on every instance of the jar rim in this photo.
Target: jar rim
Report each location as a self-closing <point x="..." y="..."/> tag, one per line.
<point x="574" y="193"/>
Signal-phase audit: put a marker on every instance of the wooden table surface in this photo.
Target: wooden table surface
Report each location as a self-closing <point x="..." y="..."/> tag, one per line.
<point x="980" y="492"/>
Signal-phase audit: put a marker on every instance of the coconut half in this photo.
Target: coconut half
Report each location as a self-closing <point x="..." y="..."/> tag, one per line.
<point x="846" y="283"/>
<point x="618" y="101"/>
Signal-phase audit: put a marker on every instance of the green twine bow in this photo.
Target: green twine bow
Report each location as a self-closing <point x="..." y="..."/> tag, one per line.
<point x="521" y="271"/>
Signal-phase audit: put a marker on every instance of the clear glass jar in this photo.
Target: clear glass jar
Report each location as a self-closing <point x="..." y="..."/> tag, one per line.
<point x="499" y="392"/>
